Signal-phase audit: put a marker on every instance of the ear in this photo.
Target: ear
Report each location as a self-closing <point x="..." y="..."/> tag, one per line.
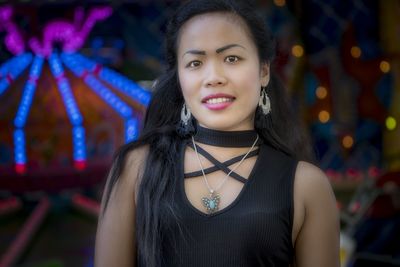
<point x="265" y="74"/>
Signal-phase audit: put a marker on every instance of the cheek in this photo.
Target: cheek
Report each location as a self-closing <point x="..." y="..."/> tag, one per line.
<point x="248" y="72"/>
<point x="188" y="86"/>
<point x="251" y="81"/>
<point x="182" y="80"/>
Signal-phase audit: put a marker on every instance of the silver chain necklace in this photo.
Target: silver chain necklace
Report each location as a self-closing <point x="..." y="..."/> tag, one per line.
<point x="212" y="202"/>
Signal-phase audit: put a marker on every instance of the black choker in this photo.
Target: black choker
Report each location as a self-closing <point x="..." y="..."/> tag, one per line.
<point x="226" y="138"/>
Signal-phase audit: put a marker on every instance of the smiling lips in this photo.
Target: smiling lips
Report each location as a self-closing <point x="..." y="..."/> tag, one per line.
<point x="217" y="101"/>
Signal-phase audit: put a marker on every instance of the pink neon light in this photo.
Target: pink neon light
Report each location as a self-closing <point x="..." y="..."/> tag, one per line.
<point x="374" y="172"/>
<point x="6" y="12"/>
<point x="80" y="164"/>
<point x="97" y="69"/>
<point x="20" y="168"/>
<point x="85" y="73"/>
<point x="13" y="39"/>
<point x="9" y="78"/>
<point x="33" y="79"/>
<point x="71" y="35"/>
<point x="60" y="77"/>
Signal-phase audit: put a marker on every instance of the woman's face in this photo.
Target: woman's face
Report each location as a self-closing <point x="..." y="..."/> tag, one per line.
<point x="219" y="71"/>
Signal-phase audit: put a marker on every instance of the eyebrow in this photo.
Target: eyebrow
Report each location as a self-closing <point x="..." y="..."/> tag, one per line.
<point x="218" y="51"/>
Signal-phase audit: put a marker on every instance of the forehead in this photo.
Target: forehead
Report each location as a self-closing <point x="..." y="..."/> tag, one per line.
<point x="214" y="30"/>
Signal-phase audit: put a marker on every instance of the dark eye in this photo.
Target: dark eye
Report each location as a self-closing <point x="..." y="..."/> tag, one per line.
<point x="232" y="59"/>
<point x="193" y="64"/>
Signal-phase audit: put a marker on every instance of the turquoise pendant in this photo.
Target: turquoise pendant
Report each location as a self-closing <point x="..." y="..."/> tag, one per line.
<point x="211" y="203"/>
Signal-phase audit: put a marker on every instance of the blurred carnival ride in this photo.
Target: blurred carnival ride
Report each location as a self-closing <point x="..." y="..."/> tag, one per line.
<point x="81" y="111"/>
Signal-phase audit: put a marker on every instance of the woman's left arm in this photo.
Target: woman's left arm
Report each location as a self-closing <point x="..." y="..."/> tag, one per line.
<point x="317" y="239"/>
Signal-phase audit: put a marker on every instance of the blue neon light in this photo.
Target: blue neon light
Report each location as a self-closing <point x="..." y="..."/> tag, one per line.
<point x="15" y="62"/>
<point x="29" y="91"/>
<point x="23" y="110"/>
<point x="12" y="69"/>
<point x="4" y="68"/>
<point x="74" y="115"/>
<point x="131" y="130"/>
<point x="102" y="91"/>
<point x="80" y="69"/>
<point x="19" y="146"/>
<point x="78" y="138"/>
<point x="126" y="86"/>
<point x="118" y="81"/>
<point x="73" y="112"/>
<point x="3" y="85"/>
<point x="113" y="100"/>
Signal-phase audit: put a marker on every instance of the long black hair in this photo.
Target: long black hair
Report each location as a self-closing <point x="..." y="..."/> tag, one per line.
<point x="155" y="194"/>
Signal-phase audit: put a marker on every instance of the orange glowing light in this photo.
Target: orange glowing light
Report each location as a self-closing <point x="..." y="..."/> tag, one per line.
<point x="384" y="66"/>
<point x="355" y="52"/>
<point x="347" y="141"/>
<point x="280" y="2"/>
<point x="297" y="51"/>
<point x="324" y="116"/>
<point x="321" y="92"/>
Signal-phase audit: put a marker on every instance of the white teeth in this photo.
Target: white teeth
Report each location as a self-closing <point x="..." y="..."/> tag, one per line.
<point x="218" y="100"/>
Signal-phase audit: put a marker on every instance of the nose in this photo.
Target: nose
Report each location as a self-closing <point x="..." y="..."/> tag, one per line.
<point x="215" y="75"/>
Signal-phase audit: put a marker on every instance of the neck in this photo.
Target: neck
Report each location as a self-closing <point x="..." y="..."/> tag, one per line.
<point x="225" y="138"/>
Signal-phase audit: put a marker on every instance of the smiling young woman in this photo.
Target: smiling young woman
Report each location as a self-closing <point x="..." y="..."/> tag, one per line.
<point x="220" y="72"/>
<point x="220" y="175"/>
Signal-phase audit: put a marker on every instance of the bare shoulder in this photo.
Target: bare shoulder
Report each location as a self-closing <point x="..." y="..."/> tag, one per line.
<point x="124" y="185"/>
<point x="311" y="182"/>
<point x="134" y="165"/>
<point x="316" y="224"/>
<point x="311" y="188"/>
<point x="115" y="238"/>
<point x="136" y="156"/>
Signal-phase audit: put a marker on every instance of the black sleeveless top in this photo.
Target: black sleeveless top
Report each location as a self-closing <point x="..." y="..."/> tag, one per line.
<point x="254" y="230"/>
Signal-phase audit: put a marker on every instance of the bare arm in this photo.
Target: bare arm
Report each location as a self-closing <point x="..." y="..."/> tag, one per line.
<point x="317" y="241"/>
<point x="115" y="238"/>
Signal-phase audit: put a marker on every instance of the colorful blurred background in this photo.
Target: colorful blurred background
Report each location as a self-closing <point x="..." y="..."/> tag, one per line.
<point x="75" y="80"/>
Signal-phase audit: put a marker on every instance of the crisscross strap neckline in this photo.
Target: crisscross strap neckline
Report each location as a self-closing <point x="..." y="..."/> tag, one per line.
<point x="223" y="166"/>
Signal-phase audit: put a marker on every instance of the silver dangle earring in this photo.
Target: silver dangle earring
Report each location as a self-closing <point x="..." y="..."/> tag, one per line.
<point x="185" y="114"/>
<point x="264" y="103"/>
<point x="186" y="126"/>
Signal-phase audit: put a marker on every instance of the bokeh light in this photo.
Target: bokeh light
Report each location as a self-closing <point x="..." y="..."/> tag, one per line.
<point x="355" y="52"/>
<point x="280" y="2"/>
<point x="347" y="141"/>
<point x="321" y="92"/>
<point x="391" y="123"/>
<point x="384" y="66"/>
<point x="297" y="51"/>
<point x="324" y="116"/>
